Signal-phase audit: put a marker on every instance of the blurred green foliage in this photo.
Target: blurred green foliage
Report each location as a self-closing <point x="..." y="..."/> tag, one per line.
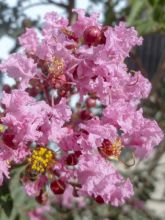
<point x="146" y="15"/>
<point x="14" y="202"/>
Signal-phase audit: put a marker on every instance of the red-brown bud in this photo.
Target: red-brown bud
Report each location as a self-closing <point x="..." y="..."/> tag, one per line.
<point x="72" y="159"/>
<point x="85" y="115"/>
<point x="99" y="199"/>
<point x="8" y="137"/>
<point x="90" y="102"/>
<point x="92" y="35"/>
<point x="57" y="186"/>
<point x="7" y="88"/>
<point x="42" y="198"/>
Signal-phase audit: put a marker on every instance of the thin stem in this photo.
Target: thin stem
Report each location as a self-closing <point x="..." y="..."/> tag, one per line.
<point x="44" y="3"/>
<point x="46" y="92"/>
<point x="70" y="6"/>
<point x="157" y="200"/>
<point x="52" y="100"/>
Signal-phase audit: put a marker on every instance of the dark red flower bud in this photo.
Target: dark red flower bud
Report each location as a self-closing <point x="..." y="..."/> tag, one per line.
<point x="71" y="159"/>
<point x="57" y="186"/>
<point x="32" y="91"/>
<point x="75" y="75"/>
<point x="64" y="90"/>
<point x="77" y="153"/>
<point x="8" y="137"/>
<point x="43" y="65"/>
<point x="75" y="192"/>
<point x="7" y="88"/>
<point x="85" y="115"/>
<point x="99" y="199"/>
<point x="92" y="35"/>
<point x="90" y="102"/>
<point x="41" y="198"/>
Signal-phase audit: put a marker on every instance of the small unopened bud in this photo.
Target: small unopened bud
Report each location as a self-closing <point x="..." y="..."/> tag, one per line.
<point x="8" y="137"/>
<point x="90" y="102"/>
<point x="99" y="199"/>
<point x="72" y="159"/>
<point x="85" y="115"/>
<point x="57" y="186"/>
<point x="92" y="35"/>
<point x="7" y="88"/>
<point x="42" y="198"/>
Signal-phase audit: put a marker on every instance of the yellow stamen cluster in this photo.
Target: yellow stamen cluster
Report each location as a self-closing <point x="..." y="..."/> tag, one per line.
<point x="116" y="149"/>
<point x="41" y="159"/>
<point x="2" y="128"/>
<point x="56" y="67"/>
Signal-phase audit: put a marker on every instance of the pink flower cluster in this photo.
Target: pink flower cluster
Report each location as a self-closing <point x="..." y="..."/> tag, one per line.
<point x="72" y="150"/>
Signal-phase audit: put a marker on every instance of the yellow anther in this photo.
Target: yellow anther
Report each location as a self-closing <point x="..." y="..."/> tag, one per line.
<point x="41" y="159"/>
<point x="42" y="170"/>
<point x="56" y="66"/>
<point x="2" y="128"/>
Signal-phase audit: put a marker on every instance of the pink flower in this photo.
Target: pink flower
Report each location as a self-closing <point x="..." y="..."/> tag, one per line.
<point x="138" y="133"/>
<point x="70" y="141"/>
<point x="96" y="133"/>
<point x="84" y="59"/>
<point x="29" y="40"/>
<point x="20" y="67"/>
<point x="32" y="120"/>
<point x="83" y="21"/>
<point x="53" y="23"/>
<point x="138" y="87"/>
<point x="120" y="40"/>
<point x="98" y="178"/>
<point x="20" y="154"/>
<point x="33" y="188"/>
<point x="144" y="138"/>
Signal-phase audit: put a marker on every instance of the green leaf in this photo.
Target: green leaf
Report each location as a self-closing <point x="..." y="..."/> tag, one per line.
<point x="158" y="13"/>
<point x="161" y="2"/>
<point x="6" y="201"/>
<point x="135" y="11"/>
<point x="152" y="2"/>
<point x="7" y="205"/>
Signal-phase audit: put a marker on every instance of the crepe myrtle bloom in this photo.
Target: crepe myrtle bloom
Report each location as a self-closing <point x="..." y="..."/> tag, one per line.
<point x="69" y="151"/>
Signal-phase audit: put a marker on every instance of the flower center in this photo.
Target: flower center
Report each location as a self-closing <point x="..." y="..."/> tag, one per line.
<point x="111" y="150"/>
<point x="57" y="66"/>
<point x="41" y="159"/>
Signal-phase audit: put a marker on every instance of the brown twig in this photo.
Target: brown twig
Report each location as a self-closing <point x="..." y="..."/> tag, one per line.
<point x="71" y="16"/>
<point x="136" y="59"/>
<point x="155" y="161"/>
<point x="44" y="3"/>
<point x="46" y="92"/>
